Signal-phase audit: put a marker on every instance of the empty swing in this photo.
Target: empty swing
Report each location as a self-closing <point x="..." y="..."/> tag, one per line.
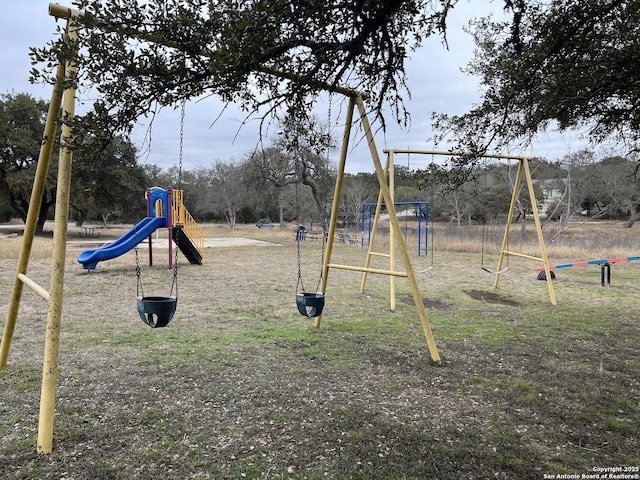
<point x="157" y="311"/>
<point x="482" y="265"/>
<point x="310" y="304"/>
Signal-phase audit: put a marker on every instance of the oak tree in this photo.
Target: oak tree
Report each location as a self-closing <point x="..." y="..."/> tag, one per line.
<point x="267" y="56"/>
<point x="565" y="64"/>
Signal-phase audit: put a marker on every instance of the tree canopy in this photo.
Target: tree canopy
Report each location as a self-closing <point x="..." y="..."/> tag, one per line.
<point x="106" y="176"/>
<point x="566" y="64"/>
<point x="555" y="63"/>
<point x="264" y="55"/>
<point x="22" y="119"/>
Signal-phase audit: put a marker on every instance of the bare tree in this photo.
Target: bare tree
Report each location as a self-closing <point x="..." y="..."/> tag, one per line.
<point x="356" y="192"/>
<point x="229" y="190"/>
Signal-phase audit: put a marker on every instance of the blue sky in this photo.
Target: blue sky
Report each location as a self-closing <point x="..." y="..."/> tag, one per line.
<point x="435" y="80"/>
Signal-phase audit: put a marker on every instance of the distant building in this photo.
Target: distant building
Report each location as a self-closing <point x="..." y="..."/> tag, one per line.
<point x="552" y="192"/>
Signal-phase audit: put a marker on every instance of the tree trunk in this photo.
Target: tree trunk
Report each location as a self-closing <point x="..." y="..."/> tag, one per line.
<point x="81" y="216"/>
<point x="634" y="217"/>
<point x="21" y="207"/>
<point x="281" y="208"/>
<point x="45" y="204"/>
<point x="308" y="180"/>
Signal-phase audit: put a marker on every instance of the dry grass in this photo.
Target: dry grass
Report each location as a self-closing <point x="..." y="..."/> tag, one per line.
<point x="10" y="247"/>
<point x="578" y="241"/>
<point x="241" y="386"/>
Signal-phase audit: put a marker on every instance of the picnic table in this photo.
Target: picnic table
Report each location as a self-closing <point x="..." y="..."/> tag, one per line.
<point x="89" y="231"/>
<point x="345" y="237"/>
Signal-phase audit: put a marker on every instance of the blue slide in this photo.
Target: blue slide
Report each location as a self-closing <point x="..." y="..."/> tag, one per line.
<point x="139" y="233"/>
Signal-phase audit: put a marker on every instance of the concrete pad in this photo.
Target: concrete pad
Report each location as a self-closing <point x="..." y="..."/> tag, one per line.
<point x="237" y="242"/>
<point x="218" y="243"/>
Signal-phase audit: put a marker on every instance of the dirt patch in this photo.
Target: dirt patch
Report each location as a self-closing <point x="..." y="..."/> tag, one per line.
<point x="491" y="297"/>
<point x="428" y="303"/>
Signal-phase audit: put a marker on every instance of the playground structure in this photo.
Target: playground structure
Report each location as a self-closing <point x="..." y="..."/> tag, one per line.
<point x="63" y="99"/>
<point x="421" y="213"/>
<point x="165" y="209"/>
<point x="604" y="263"/>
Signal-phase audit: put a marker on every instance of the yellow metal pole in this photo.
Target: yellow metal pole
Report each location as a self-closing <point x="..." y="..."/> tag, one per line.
<point x="536" y="219"/>
<point x="336" y="199"/>
<point x="392" y="249"/>
<point x="355" y="268"/>
<point x="455" y="154"/>
<point x="512" y="207"/>
<point x="52" y="339"/>
<point x="374" y="229"/>
<point x="37" y="191"/>
<point x="426" y="327"/>
<point x="372" y="239"/>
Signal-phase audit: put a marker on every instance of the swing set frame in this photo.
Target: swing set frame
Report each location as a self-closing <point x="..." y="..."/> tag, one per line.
<point x="523" y="176"/>
<point x="422" y="235"/>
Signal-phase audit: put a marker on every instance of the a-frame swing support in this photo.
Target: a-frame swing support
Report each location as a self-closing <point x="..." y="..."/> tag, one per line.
<point x="524" y="171"/>
<point x="389" y="172"/>
<point x="63" y="96"/>
<point x="523" y="174"/>
<point x="385" y="194"/>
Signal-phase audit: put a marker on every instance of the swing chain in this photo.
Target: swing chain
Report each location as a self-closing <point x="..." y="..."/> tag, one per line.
<point x="138" y="276"/>
<point x="174" y="284"/>
<point x="181" y="148"/>
<point x="324" y="242"/>
<point x="138" y="272"/>
<point x="299" y="283"/>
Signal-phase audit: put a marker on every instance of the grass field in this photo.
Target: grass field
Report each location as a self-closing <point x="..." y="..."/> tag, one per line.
<point x="239" y="385"/>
